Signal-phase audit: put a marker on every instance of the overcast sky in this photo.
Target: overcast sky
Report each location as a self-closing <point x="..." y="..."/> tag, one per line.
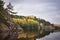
<point x="46" y="9"/>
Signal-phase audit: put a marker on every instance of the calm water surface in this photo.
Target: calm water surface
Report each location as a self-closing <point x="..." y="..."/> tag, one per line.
<point x="51" y="36"/>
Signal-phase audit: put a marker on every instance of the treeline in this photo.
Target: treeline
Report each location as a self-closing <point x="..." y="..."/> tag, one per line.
<point x="32" y="23"/>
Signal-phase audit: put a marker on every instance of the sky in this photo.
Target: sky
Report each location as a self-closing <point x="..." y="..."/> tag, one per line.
<point x="45" y="9"/>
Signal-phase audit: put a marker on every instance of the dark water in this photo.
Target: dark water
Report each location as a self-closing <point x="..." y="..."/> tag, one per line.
<point x="51" y="36"/>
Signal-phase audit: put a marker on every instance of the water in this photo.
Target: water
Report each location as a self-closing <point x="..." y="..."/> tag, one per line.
<point x="51" y="36"/>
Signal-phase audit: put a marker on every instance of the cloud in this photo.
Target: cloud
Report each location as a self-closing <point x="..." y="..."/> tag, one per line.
<point x="46" y="9"/>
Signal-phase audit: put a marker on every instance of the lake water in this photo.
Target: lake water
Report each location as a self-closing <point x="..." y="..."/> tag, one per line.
<point x="51" y="36"/>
